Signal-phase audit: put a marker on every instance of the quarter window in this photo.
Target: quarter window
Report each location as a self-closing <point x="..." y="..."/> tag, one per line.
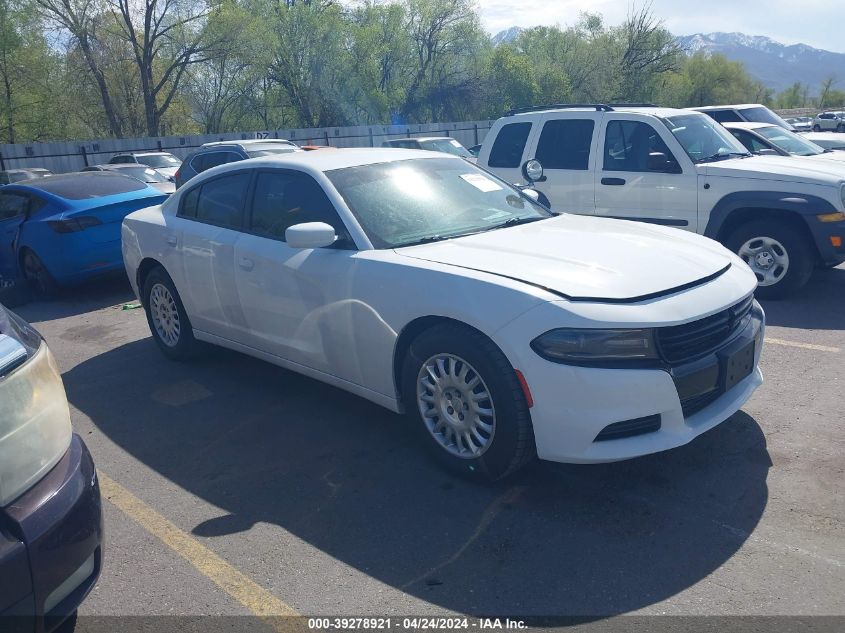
<point x="220" y="200"/>
<point x="12" y="206"/>
<point x="509" y="145"/>
<point x="284" y="198"/>
<point x="627" y="145"/>
<point x="565" y="144"/>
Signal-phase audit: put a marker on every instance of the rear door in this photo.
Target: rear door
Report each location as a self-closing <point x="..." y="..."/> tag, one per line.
<point x="210" y="218"/>
<point x="13" y="210"/>
<point x="566" y="147"/>
<point x="628" y="187"/>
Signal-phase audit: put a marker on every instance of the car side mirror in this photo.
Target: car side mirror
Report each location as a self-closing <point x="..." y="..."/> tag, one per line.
<point x="659" y="162"/>
<point x="532" y="193"/>
<point x="533" y="171"/>
<point x="310" y="235"/>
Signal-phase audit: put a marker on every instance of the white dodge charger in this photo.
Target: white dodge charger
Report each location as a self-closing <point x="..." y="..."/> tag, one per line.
<point x="425" y="284"/>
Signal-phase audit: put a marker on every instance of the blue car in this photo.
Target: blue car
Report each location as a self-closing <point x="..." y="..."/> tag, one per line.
<point x="63" y="230"/>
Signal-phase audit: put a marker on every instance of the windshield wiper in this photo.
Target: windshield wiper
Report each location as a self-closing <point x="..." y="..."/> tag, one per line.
<point x="723" y="156"/>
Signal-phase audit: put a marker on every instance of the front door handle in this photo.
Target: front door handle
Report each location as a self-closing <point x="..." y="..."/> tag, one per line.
<point x="613" y="181"/>
<point x="171" y="240"/>
<point x="246" y="263"/>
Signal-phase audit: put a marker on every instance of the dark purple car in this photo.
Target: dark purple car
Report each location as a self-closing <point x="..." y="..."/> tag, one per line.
<point x="51" y="522"/>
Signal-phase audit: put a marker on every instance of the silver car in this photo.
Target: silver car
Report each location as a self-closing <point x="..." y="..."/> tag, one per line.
<point x="829" y="122"/>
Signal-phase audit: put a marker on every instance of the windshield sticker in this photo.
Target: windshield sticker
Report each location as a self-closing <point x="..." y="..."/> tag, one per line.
<point x="481" y="183"/>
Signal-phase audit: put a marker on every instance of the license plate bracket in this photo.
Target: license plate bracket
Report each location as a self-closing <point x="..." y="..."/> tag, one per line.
<point x="737" y="365"/>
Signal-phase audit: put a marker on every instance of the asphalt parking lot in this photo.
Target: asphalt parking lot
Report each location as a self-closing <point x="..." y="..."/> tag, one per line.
<point x="236" y="487"/>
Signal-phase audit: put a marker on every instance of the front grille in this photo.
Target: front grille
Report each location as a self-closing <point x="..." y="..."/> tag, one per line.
<point x="629" y="428"/>
<point x="697" y="403"/>
<point x="688" y="341"/>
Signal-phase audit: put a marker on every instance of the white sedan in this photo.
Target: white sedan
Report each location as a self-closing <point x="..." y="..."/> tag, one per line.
<point x="423" y="283"/>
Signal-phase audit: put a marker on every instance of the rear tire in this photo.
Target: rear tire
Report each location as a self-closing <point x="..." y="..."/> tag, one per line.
<point x="817" y="128"/>
<point x="36" y="275"/>
<point x="466" y="403"/>
<point x="166" y="316"/>
<point x="778" y="253"/>
<point x="840" y="128"/>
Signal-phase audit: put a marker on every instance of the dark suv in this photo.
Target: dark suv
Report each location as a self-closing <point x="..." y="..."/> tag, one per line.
<point x="212" y="154"/>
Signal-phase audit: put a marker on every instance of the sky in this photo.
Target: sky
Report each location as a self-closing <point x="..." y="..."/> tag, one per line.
<point x="786" y="21"/>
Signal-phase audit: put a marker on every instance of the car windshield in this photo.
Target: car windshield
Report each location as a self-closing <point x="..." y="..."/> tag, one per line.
<point x="450" y="146"/>
<point x="159" y="160"/>
<point x="144" y="174"/>
<point x="702" y="138"/>
<point x="789" y="142"/>
<point x="269" y="150"/>
<point x="407" y="202"/>
<point x="764" y="115"/>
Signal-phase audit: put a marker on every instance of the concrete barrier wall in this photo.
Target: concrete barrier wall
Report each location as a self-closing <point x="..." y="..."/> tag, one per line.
<point x="74" y="155"/>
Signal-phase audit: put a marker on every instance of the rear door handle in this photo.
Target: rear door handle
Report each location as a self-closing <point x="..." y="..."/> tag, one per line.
<point x="613" y="181"/>
<point x="246" y="263"/>
<point x="171" y="240"/>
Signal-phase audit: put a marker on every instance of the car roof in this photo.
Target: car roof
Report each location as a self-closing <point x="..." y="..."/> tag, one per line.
<point x="339" y="159"/>
<point x="247" y="142"/>
<point x="422" y="138"/>
<point x="736" y="106"/>
<point x="644" y="109"/>
<point x="143" y="154"/>
<point x="106" y="185"/>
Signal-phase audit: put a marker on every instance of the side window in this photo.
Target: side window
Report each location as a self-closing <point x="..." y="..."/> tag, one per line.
<point x="12" y="205"/>
<point x="284" y="198"/>
<point x="627" y="145"/>
<point x="751" y="142"/>
<point x="726" y="116"/>
<point x="509" y="145"/>
<point x="201" y="162"/>
<point x="565" y="144"/>
<point x="221" y="200"/>
<point x="232" y="157"/>
<point x="188" y="207"/>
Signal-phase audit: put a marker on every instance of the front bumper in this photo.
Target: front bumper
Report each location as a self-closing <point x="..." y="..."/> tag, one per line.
<point x="822" y="233"/>
<point x="573" y="405"/>
<point x="59" y="524"/>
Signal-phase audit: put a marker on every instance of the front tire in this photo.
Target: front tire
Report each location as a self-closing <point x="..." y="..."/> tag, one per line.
<point x="465" y="400"/>
<point x="817" y="128"/>
<point x="166" y="316"/>
<point x="778" y="253"/>
<point x="840" y="128"/>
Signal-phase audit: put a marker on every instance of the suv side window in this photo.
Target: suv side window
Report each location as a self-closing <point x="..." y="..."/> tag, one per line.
<point x="627" y="145"/>
<point x="509" y="145"/>
<point x="726" y="116"/>
<point x="202" y="162"/>
<point x="565" y="144"/>
<point x="220" y="200"/>
<point x="282" y="198"/>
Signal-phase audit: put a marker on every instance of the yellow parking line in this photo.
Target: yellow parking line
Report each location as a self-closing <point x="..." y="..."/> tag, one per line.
<point x="251" y="595"/>
<point x="817" y="348"/>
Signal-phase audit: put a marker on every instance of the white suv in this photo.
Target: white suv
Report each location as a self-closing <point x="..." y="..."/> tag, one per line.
<point x="678" y="168"/>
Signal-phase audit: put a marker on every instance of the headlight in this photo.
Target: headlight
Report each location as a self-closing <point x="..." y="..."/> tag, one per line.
<point x="589" y="346"/>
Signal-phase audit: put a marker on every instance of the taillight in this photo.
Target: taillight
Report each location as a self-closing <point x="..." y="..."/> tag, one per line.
<point x="72" y="225"/>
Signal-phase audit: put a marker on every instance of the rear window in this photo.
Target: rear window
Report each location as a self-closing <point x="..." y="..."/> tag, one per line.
<point x="269" y="149"/>
<point x="565" y="144"/>
<point x="724" y="116"/>
<point x="86" y="185"/>
<point x="509" y="145"/>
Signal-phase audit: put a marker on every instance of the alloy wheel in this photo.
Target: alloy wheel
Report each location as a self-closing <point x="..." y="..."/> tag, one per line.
<point x="165" y="315"/>
<point x="456" y="406"/>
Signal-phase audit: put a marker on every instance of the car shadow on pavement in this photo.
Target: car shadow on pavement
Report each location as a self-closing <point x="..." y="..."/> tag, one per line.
<point x="349" y="478"/>
<point x="68" y="302"/>
<point x="820" y="305"/>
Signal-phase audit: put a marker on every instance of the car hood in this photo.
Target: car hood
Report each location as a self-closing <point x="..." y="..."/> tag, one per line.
<point x="586" y="258"/>
<point x="779" y="168"/>
<point x="839" y="157"/>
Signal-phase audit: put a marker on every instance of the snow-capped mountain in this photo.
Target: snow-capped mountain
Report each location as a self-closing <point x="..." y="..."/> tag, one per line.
<point x="507" y="36"/>
<point x="776" y="65"/>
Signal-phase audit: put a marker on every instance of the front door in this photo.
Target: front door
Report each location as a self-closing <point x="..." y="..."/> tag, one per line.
<point x="296" y="300"/>
<point x="629" y="183"/>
